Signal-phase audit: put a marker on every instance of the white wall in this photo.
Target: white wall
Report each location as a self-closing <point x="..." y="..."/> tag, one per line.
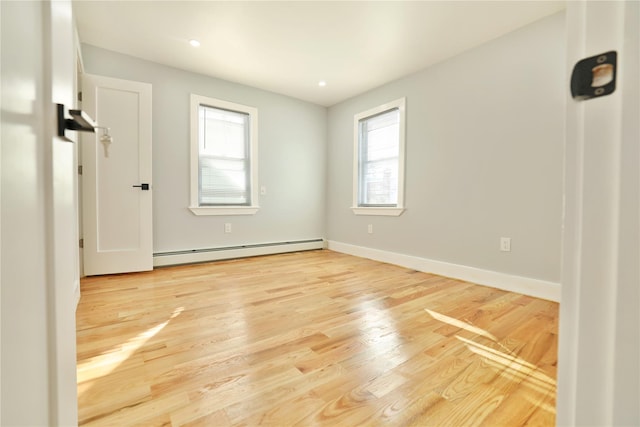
<point x="292" y="137"/>
<point x="484" y="158"/>
<point x="39" y="239"/>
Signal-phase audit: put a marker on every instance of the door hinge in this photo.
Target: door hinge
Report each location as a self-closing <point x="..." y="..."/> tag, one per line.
<point x="79" y="169"/>
<point x="80" y="96"/>
<point x="81" y="243"/>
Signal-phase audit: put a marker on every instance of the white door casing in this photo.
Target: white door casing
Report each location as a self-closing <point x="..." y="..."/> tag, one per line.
<point x="599" y="347"/>
<point x="117" y="216"/>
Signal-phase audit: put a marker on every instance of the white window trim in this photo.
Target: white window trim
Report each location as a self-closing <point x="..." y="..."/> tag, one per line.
<point x="224" y="210"/>
<point x="196" y="101"/>
<point x="400" y="104"/>
<point x="378" y="210"/>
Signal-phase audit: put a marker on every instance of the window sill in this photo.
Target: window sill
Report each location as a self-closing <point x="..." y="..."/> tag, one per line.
<point x="224" y="210"/>
<point x="378" y="211"/>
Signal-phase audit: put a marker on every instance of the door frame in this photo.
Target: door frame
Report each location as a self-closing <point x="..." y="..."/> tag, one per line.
<point x="599" y="337"/>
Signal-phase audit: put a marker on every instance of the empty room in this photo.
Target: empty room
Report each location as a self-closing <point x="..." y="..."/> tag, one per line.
<point x="308" y="213"/>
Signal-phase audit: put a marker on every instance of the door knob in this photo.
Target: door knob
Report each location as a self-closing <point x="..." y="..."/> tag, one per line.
<point x="142" y="186"/>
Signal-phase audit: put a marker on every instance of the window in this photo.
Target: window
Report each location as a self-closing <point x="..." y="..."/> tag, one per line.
<point x="379" y="160"/>
<point x="223" y="157"/>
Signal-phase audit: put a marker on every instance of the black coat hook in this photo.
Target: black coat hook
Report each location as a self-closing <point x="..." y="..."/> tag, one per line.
<point x="79" y="121"/>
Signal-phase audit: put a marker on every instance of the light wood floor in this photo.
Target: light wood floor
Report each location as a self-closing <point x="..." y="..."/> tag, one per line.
<point x="308" y="339"/>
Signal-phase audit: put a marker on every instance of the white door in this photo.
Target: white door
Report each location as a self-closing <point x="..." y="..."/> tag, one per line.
<point x="39" y="244"/>
<point x="117" y="190"/>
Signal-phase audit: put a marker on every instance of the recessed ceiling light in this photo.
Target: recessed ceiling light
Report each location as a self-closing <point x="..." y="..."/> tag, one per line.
<point x="322" y="83"/>
<point x="194" y="42"/>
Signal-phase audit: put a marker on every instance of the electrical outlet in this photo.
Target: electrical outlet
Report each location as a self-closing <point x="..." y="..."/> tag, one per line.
<point x="505" y="244"/>
<point x="227" y="227"/>
<point x="370" y="228"/>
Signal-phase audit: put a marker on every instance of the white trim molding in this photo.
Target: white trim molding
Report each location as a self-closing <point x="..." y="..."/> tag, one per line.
<point x="380" y="211"/>
<point x="224" y="210"/>
<point x="522" y="285"/>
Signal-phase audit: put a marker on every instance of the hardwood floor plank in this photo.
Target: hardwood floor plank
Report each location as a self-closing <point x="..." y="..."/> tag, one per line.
<point x="154" y="412"/>
<point x="311" y="338"/>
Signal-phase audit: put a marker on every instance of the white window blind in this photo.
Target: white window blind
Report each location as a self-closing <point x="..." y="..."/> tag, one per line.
<point x="378" y="163"/>
<point x="224" y="161"/>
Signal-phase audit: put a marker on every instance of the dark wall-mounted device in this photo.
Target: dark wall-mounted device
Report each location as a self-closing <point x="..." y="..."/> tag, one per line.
<point x="79" y="121"/>
<point x="595" y="76"/>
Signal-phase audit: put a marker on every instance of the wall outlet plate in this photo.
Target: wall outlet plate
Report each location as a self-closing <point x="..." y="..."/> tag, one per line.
<point x="505" y="244"/>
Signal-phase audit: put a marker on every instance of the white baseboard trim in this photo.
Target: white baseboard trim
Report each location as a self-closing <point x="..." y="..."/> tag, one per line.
<point x="522" y="285"/>
<point x="217" y="254"/>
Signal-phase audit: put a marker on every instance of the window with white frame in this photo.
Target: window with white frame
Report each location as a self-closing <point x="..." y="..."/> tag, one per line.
<point x="224" y="160"/>
<point x="379" y="145"/>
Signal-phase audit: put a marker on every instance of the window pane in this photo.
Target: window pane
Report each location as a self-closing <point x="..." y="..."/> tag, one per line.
<point x="224" y="133"/>
<point x="223" y="157"/>
<point x="383" y="143"/>
<point x="222" y="181"/>
<point x="379" y="159"/>
<point x="380" y="182"/>
<point x="382" y="120"/>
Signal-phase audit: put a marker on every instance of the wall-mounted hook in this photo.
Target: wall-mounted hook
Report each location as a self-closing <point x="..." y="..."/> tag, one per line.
<point x="79" y="121"/>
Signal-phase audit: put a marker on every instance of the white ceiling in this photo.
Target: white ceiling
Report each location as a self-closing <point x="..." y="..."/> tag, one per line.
<point x="287" y="47"/>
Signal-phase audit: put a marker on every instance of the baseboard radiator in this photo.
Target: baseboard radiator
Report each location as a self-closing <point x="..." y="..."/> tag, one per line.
<point x="161" y="259"/>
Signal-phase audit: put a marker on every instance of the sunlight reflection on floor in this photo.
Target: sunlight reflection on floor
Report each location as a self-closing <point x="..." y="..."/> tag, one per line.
<point x="104" y="364"/>
<point x="508" y="365"/>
